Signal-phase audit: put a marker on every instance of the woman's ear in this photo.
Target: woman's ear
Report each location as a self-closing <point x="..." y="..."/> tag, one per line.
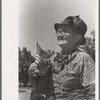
<point x="81" y="41"/>
<point x="78" y="37"/>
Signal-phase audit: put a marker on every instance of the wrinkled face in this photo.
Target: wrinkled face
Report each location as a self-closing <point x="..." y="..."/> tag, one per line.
<point x="67" y="36"/>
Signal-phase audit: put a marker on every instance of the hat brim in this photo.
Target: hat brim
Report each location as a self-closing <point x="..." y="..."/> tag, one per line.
<point x="58" y="25"/>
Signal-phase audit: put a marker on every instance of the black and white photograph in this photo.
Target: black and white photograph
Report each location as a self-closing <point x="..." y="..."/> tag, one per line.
<point x="57" y="50"/>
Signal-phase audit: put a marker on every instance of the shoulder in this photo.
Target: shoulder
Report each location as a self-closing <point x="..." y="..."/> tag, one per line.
<point x="83" y="55"/>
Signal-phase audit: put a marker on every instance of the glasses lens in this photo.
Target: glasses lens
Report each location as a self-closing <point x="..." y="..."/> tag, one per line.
<point x="59" y="31"/>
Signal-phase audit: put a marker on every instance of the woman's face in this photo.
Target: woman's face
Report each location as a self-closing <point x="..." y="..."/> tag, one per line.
<point x="67" y="36"/>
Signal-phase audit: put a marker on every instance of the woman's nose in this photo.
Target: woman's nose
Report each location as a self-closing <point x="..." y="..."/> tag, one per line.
<point x="60" y="32"/>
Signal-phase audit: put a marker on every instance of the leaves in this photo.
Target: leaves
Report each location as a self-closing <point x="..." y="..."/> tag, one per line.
<point x="89" y="47"/>
<point x="25" y="59"/>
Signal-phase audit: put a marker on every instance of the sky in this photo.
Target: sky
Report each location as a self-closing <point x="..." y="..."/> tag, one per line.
<point x="37" y="18"/>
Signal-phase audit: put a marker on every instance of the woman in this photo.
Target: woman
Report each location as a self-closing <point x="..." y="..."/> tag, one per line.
<point x="70" y="74"/>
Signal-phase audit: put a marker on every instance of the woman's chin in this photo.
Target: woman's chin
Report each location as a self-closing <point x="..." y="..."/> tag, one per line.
<point x="62" y="42"/>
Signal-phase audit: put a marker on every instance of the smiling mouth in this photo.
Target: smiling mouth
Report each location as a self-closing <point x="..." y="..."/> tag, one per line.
<point x="60" y="38"/>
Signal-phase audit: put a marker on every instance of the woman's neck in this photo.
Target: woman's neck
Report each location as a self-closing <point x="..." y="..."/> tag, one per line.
<point x="66" y="50"/>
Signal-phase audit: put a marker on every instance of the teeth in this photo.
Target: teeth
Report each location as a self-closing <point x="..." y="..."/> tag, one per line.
<point x="60" y="38"/>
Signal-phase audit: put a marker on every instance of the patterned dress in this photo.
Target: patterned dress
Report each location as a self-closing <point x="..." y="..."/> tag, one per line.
<point x="69" y="77"/>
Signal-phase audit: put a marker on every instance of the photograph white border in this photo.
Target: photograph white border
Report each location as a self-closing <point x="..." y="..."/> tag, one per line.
<point x="10" y="49"/>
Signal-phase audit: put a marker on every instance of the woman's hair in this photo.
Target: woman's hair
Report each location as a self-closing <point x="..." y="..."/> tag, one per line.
<point x="81" y="41"/>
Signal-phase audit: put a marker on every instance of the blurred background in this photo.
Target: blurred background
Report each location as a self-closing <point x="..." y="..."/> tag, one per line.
<point x="37" y="18"/>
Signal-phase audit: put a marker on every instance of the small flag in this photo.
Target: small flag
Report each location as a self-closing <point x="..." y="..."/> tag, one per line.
<point x="40" y="52"/>
<point x="40" y="59"/>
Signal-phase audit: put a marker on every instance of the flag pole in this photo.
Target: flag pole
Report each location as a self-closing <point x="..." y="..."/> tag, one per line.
<point x="36" y="47"/>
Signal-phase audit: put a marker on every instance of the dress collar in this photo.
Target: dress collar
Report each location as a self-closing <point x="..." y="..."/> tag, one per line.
<point x="60" y="57"/>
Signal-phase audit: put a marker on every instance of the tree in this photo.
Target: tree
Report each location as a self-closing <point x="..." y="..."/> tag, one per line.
<point x="25" y="59"/>
<point x="89" y="47"/>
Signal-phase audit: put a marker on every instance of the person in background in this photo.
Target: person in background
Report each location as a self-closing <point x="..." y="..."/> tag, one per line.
<point x="70" y="74"/>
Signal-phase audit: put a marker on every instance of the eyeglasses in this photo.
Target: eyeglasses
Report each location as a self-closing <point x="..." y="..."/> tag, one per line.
<point x="60" y="31"/>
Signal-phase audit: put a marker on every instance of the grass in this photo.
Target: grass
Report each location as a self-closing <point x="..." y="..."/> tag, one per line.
<point x="24" y="93"/>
